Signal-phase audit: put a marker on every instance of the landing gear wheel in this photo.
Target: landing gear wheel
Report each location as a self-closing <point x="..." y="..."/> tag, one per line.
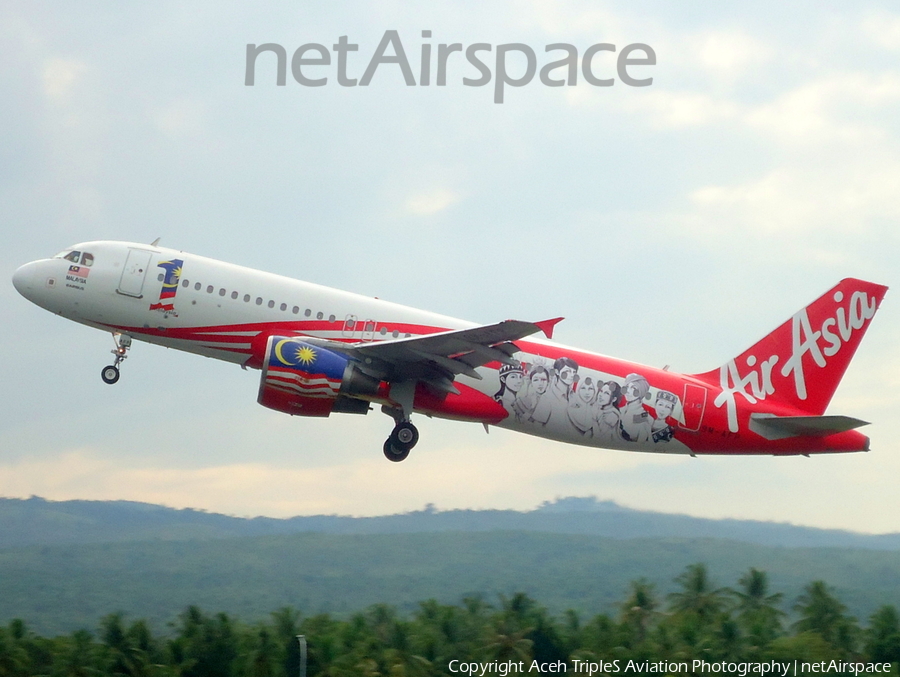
<point x="404" y="436"/>
<point x="110" y="374"/>
<point x="391" y="453"/>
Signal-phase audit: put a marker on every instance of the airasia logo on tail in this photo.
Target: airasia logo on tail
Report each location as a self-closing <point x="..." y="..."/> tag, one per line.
<point x="836" y="330"/>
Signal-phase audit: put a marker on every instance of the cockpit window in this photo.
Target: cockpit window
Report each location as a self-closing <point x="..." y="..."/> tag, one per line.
<point x="84" y="258"/>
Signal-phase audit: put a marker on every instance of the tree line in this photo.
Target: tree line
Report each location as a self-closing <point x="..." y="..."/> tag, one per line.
<point x="698" y="621"/>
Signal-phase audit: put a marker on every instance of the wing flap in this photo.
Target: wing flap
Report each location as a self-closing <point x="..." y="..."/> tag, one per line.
<point x="773" y="427"/>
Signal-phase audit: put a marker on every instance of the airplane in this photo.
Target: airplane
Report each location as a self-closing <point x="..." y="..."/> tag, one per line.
<point x="323" y="351"/>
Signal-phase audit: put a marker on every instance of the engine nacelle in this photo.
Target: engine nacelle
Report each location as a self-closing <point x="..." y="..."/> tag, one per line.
<point x="306" y="380"/>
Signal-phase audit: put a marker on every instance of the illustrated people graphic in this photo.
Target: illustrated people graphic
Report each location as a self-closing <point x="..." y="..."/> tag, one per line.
<point x="660" y="429"/>
<point x="581" y="406"/>
<point x="512" y="377"/>
<point x="551" y="408"/>
<point x="606" y="412"/>
<point x="635" y="424"/>
<point x="537" y="382"/>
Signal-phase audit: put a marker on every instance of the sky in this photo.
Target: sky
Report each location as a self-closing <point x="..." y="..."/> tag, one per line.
<point x="674" y="223"/>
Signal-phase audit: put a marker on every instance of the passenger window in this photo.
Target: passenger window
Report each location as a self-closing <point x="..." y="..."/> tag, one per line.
<point x="395" y="333"/>
<point x="185" y="284"/>
<point x="161" y="277"/>
<point x="221" y="292"/>
<point x="197" y="286"/>
<point x="383" y="331"/>
<point x="246" y="298"/>
<point x="283" y="306"/>
<point x="271" y="303"/>
<point x="209" y="289"/>
<point x="331" y="318"/>
<point x="259" y="300"/>
<point x="308" y="312"/>
<point x="234" y="294"/>
<point x="295" y="309"/>
<point x="350" y="324"/>
<point x="87" y="259"/>
<point x="320" y="315"/>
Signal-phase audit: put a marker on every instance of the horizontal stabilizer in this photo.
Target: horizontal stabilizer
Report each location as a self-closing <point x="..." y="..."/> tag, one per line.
<point x="773" y="427"/>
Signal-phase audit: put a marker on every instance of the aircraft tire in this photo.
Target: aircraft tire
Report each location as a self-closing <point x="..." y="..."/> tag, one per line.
<point x="110" y="374"/>
<point x="394" y="454"/>
<point x="404" y="436"/>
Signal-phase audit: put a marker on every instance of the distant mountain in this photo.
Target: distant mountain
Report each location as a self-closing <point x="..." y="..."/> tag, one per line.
<point x="36" y="521"/>
<point x="66" y="564"/>
<point x="61" y="588"/>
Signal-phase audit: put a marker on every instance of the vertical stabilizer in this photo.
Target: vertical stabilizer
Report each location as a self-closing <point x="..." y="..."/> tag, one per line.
<point x="801" y="363"/>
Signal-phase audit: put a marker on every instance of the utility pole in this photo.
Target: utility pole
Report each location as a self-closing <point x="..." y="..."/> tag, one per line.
<point x="302" y="640"/>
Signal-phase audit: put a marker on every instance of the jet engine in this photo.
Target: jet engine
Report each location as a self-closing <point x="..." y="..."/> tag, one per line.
<point x="302" y="379"/>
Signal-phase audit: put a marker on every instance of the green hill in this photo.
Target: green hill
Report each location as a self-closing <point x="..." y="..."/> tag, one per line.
<point x="36" y="521"/>
<point x="60" y="588"/>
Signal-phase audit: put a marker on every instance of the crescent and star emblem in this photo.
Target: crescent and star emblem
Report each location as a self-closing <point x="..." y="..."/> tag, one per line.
<point x="301" y="355"/>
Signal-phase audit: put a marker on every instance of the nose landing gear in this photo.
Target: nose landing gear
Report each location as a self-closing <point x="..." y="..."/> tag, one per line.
<point x="110" y="374"/>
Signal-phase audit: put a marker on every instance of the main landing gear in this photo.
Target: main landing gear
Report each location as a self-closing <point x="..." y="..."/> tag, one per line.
<point x="110" y="374"/>
<point x="401" y="441"/>
<point x="404" y="435"/>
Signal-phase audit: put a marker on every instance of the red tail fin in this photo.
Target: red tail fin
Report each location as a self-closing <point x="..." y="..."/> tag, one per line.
<point x="801" y="363"/>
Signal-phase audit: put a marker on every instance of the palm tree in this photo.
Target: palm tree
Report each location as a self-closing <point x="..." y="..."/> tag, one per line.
<point x="508" y="643"/>
<point x="13" y="658"/>
<point x="75" y="656"/>
<point x="822" y="613"/>
<point x="758" y="612"/>
<point x="262" y="657"/>
<point x="639" y="609"/>
<point x="883" y="636"/>
<point x="754" y="594"/>
<point x="697" y="596"/>
<point x="287" y="626"/>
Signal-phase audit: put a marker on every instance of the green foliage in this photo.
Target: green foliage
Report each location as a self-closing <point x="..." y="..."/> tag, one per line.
<point x="62" y="588"/>
<point x="697" y="622"/>
<point x="822" y="613"/>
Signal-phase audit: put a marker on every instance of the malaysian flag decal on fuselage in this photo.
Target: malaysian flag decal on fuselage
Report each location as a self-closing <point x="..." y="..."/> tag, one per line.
<point x="169" y="286"/>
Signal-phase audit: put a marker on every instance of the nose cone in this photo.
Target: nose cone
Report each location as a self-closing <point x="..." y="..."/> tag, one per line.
<point x="26" y="280"/>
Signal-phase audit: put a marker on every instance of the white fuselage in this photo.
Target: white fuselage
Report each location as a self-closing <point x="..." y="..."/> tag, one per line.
<point x="220" y="310"/>
<point x="213" y="295"/>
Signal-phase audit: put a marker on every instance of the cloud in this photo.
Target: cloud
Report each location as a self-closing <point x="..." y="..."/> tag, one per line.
<point x="668" y="109"/>
<point x="180" y="118"/>
<point x="818" y="111"/>
<point x="60" y="76"/>
<point x="798" y="200"/>
<point x="728" y="55"/>
<point x="574" y="17"/>
<point x="430" y="202"/>
<point x="882" y="28"/>
<point x="512" y="471"/>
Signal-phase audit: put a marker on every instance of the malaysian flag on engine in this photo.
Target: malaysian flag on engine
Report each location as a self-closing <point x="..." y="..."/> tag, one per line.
<point x="300" y="368"/>
<point x="170" y="284"/>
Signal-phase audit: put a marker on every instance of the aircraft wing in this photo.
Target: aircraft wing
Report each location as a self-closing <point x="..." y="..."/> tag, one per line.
<point x="439" y="358"/>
